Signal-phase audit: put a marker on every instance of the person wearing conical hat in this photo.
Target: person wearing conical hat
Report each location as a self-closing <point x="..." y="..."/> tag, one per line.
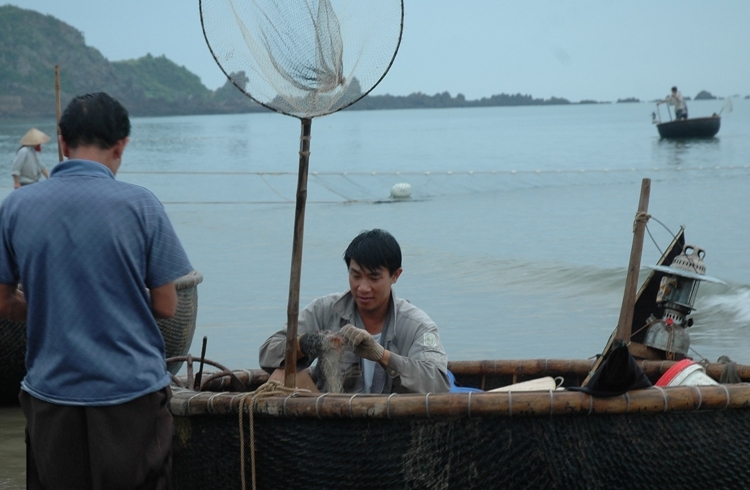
<point x="27" y="169"/>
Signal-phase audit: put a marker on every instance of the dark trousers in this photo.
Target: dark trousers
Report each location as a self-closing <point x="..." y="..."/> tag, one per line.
<point x="127" y="446"/>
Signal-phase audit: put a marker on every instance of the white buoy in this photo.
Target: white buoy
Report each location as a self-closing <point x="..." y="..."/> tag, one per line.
<point x="402" y="190"/>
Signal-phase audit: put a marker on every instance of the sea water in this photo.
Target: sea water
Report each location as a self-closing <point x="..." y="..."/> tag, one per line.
<point x="516" y="238"/>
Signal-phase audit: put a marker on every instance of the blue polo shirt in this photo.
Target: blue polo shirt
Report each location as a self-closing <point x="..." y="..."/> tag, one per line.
<point x="86" y="247"/>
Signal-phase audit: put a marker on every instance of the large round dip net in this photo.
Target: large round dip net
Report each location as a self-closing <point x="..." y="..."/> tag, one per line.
<point x="302" y="58"/>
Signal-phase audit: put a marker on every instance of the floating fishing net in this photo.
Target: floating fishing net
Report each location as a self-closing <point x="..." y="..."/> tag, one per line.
<point x="303" y="58"/>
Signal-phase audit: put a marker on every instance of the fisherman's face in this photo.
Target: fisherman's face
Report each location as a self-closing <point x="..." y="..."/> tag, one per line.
<point x="371" y="289"/>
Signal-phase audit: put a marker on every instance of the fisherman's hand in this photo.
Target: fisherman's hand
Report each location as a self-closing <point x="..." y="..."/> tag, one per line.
<point x="311" y="344"/>
<point x="364" y="344"/>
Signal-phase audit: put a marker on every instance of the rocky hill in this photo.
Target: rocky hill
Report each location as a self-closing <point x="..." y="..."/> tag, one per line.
<point x="31" y="44"/>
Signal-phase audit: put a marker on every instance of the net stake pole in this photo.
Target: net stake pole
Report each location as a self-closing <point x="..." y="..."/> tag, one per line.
<point x="292" y="311"/>
<point x="625" y="323"/>
<point x="58" y="110"/>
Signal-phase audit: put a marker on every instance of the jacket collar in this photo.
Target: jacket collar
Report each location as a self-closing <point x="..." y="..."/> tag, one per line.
<point x="70" y="168"/>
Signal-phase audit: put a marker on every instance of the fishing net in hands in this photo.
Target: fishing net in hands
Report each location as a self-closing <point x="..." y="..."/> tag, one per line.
<point x="303" y="58"/>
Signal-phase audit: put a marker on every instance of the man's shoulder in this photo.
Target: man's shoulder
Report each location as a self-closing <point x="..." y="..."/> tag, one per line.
<point x="407" y="311"/>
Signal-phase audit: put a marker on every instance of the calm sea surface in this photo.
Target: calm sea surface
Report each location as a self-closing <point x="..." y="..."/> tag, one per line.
<point x="516" y="239"/>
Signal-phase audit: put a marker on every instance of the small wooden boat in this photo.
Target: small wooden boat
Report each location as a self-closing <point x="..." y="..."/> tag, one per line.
<point x="684" y="436"/>
<point x="699" y="127"/>
<point x="177" y="331"/>
<point x="237" y="431"/>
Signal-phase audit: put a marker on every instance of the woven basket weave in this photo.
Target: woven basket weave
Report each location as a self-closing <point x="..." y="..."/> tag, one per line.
<point x="687" y="437"/>
<point x="177" y="331"/>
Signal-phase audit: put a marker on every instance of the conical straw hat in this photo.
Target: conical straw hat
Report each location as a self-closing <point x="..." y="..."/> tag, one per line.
<point x="34" y="137"/>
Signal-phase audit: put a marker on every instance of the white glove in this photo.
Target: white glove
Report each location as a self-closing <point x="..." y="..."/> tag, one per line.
<point x="362" y="342"/>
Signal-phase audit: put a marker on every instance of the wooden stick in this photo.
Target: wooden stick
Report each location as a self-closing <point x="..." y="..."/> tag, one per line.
<point x="58" y="110"/>
<point x="666" y="256"/>
<point x="625" y="323"/>
<point x="292" y="311"/>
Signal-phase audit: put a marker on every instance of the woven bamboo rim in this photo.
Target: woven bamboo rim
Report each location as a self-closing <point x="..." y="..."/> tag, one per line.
<point x="188" y="281"/>
<point x="186" y="403"/>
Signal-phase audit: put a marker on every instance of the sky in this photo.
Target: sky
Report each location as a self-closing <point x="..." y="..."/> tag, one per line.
<point x="578" y="50"/>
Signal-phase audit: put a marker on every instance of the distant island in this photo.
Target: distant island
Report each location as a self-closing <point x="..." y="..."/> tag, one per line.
<point x="32" y="45"/>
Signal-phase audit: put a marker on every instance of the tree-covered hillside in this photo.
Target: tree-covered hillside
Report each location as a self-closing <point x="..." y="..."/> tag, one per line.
<point x="31" y="44"/>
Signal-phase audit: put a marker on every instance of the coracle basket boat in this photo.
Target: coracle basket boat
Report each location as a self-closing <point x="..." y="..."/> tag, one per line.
<point x="690" y="437"/>
<point x="177" y="331"/>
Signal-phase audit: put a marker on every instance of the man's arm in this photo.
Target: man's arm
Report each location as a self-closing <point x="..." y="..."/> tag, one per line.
<point x="16" y="169"/>
<point x="421" y="370"/>
<point x="164" y="301"/>
<point x="312" y="319"/>
<point x="12" y="303"/>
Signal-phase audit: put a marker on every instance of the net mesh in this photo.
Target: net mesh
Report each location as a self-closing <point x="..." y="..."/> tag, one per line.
<point x="303" y="58"/>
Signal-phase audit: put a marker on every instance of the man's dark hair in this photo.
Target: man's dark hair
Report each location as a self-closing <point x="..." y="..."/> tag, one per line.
<point x="94" y="120"/>
<point x="674" y="89"/>
<point x="374" y="249"/>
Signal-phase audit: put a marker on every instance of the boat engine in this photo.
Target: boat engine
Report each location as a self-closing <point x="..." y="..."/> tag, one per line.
<point x="677" y="292"/>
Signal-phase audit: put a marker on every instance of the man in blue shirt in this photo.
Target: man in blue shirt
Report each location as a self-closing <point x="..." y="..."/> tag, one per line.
<point x="96" y="259"/>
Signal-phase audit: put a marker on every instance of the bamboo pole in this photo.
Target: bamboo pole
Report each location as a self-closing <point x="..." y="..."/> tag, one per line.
<point x="292" y="312"/>
<point x="58" y="110"/>
<point x="625" y="323"/>
<point x="624" y="327"/>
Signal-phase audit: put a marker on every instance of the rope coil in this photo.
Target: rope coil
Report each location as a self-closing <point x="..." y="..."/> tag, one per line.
<point x="640" y="218"/>
<point x="269" y="388"/>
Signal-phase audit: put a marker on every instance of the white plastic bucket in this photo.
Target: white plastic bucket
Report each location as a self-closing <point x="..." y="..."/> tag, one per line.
<point x="686" y="373"/>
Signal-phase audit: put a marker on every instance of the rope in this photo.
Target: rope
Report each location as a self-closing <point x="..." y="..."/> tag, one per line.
<point x="269" y="388"/>
<point x="652" y="237"/>
<point x="640" y="217"/>
<point x="648" y="324"/>
<point x="449" y="172"/>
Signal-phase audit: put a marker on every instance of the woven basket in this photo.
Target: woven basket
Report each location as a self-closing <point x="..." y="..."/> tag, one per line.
<point x="177" y="331"/>
<point x="687" y="437"/>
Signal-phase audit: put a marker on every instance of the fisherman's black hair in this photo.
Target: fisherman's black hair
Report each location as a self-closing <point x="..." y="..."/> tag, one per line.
<point x="94" y="119"/>
<point x="674" y="89"/>
<point x="374" y="249"/>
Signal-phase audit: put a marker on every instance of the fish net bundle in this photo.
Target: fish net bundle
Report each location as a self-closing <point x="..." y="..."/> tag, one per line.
<point x="303" y="58"/>
<point x="330" y="358"/>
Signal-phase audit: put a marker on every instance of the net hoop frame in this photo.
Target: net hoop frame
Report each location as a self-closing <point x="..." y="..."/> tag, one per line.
<point x="247" y="94"/>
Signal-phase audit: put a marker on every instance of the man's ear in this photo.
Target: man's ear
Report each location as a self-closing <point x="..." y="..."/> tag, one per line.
<point x="119" y="148"/>
<point x="63" y="145"/>
<point x="396" y="274"/>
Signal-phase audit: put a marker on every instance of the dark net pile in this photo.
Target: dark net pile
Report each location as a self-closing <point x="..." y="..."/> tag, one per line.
<point x="303" y="58"/>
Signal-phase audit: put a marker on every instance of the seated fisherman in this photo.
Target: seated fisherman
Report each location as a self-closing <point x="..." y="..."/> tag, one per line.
<point x="369" y="339"/>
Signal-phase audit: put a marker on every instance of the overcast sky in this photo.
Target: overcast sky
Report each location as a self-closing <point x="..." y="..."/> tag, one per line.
<point x="578" y="50"/>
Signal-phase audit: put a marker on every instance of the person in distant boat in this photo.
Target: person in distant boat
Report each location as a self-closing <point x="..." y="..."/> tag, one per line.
<point x="675" y="99"/>
<point x="366" y="340"/>
<point x="27" y="169"/>
<point x="97" y="259"/>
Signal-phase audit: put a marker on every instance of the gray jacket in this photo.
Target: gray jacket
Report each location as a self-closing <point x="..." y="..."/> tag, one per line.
<point x="418" y="363"/>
